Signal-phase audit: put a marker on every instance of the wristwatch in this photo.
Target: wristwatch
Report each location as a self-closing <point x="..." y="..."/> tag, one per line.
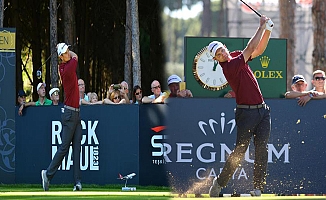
<point x="208" y="72"/>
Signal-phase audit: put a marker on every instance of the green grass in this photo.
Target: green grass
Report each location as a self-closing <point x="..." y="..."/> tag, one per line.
<point x="86" y="187"/>
<point x="62" y="192"/>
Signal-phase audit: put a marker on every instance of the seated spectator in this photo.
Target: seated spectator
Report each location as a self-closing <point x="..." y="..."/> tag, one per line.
<point x="137" y="95"/>
<point x="21" y="97"/>
<point x="173" y="83"/>
<point x="94" y="98"/>
<point x="157" y="96"/>
<point x="42" y="100"/>
<point x="318" y="81"/>
<point x="82" y="96"/>
<point x="54" y="96"/>
<point x="299" y="85"/>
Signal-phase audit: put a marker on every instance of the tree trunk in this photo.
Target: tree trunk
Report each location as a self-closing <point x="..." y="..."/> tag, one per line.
<point x="319" y="30"/>
<point x="135" y="43"/>
<point x="128" y="68"/>
<point x="287" y="30"/>
<point x="36" y="47"/>
<point x="1" y="12"/>
<point x="17" y="24"/>
<point x="68" y="21"/>
<point x="53" y="43"/>
<point x="206" y="27"/>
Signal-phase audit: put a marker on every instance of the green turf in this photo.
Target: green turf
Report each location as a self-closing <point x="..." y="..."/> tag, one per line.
<point x="62" y="192"/>
<point x="86" y="197"/>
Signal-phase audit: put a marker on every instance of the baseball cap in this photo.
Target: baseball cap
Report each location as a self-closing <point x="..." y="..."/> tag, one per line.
<point x="39" y="85"/>
<point x="174" y="79"/>
<point x="53" y="90"/>
<point x="21" y="93"/>
<point x="297" y="78"/>
<point x="213" y="47"/>
<point x="62" y="48"/>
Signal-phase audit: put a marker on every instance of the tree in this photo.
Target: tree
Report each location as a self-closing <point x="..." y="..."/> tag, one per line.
<point x="206" y="27"/>
<point x="287" y="30"/>
<point x="127" y="65"/>
<point x="319" y="29"/>
<point x="1" y="12"/>
<point x="53" y="43"/>
<point x="135" y="43"/>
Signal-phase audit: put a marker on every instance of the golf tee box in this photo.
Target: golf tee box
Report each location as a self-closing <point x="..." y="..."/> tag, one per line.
<point x="128" y="188"/>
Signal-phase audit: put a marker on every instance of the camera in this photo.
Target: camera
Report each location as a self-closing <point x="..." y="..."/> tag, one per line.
<point x="116" y="86"/>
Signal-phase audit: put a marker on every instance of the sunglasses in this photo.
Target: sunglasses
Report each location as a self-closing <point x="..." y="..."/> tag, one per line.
<point x="116" y="98"/>
<point x="317" y="78"/>
<point x="138" y="93"/>
<point x="56" y="93"/>
<point x="156" y="87"/>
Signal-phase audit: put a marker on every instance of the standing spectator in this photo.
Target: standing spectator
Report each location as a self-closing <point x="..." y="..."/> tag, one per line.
<point x="54" y="95"/>
<point x="318" y="81"/>
<point x="230" y="94"/>
<point x="173" y="83"/>
<point x="71" y="126"/>
<point x="94" y="98"/>
<point x="42" y="100"/>
<point x="252" y="114"/>
<point x="137" y="95"/>
<point x="21" y="97"/>
<point x="83" y="98"/>
<point x="114" y="98"/>
<point x="299" y="85"/>
<point x="125" y="91"/>
<point x="157" y="96"/>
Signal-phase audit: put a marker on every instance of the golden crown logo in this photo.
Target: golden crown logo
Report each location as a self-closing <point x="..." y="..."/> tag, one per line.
<point x="264" y="61"/>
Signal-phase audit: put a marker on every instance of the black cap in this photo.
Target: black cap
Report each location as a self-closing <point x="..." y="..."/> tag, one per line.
<point x="21" y="93"/>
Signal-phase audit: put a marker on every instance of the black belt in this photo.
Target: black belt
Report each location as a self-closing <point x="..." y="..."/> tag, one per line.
<point x="71" y="108"/>
<point x="251" y="106"/>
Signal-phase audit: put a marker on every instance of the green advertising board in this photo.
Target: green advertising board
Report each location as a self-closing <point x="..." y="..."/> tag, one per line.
<point x="269" y="68"/>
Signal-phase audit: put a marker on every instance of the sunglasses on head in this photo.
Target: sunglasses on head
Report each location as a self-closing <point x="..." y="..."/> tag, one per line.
<point x="317" y="78"/>
<point x="137" y="93"/>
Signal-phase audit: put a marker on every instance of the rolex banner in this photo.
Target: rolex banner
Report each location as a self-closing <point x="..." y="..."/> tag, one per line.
<point x="7" y="104"/>
<point x="205" y="77"/>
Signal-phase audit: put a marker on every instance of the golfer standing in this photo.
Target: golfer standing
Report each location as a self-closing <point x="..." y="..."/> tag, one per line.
<point x="252" y="114"/>
<point x="70" y="119"/>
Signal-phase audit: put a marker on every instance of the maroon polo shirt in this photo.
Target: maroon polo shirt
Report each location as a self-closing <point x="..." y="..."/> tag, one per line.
<point x="69" y="81"/>
<point x="242" y="80"/>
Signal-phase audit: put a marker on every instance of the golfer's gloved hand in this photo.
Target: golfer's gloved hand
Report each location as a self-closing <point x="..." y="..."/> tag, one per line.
<point x="269" y="25"/>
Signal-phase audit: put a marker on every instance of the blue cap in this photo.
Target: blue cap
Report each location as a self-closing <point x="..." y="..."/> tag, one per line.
<point x="297" y="78"/>
<point x="21" y="93"/>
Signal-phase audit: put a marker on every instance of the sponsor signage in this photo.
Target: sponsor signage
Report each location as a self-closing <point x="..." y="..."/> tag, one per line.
<point x="7" y="104"/>
<point x="183" y="144"/>
<point x="269" y="68"/>
<point x="201" y="134"/>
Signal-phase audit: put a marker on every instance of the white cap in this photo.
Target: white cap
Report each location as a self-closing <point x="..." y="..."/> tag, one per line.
<point x="39" y="85"/>
<point x="53" y="90"/>
<point x="174" y="79"/>
<point x="62" y="48"/>
<point x="213" y="47"/>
